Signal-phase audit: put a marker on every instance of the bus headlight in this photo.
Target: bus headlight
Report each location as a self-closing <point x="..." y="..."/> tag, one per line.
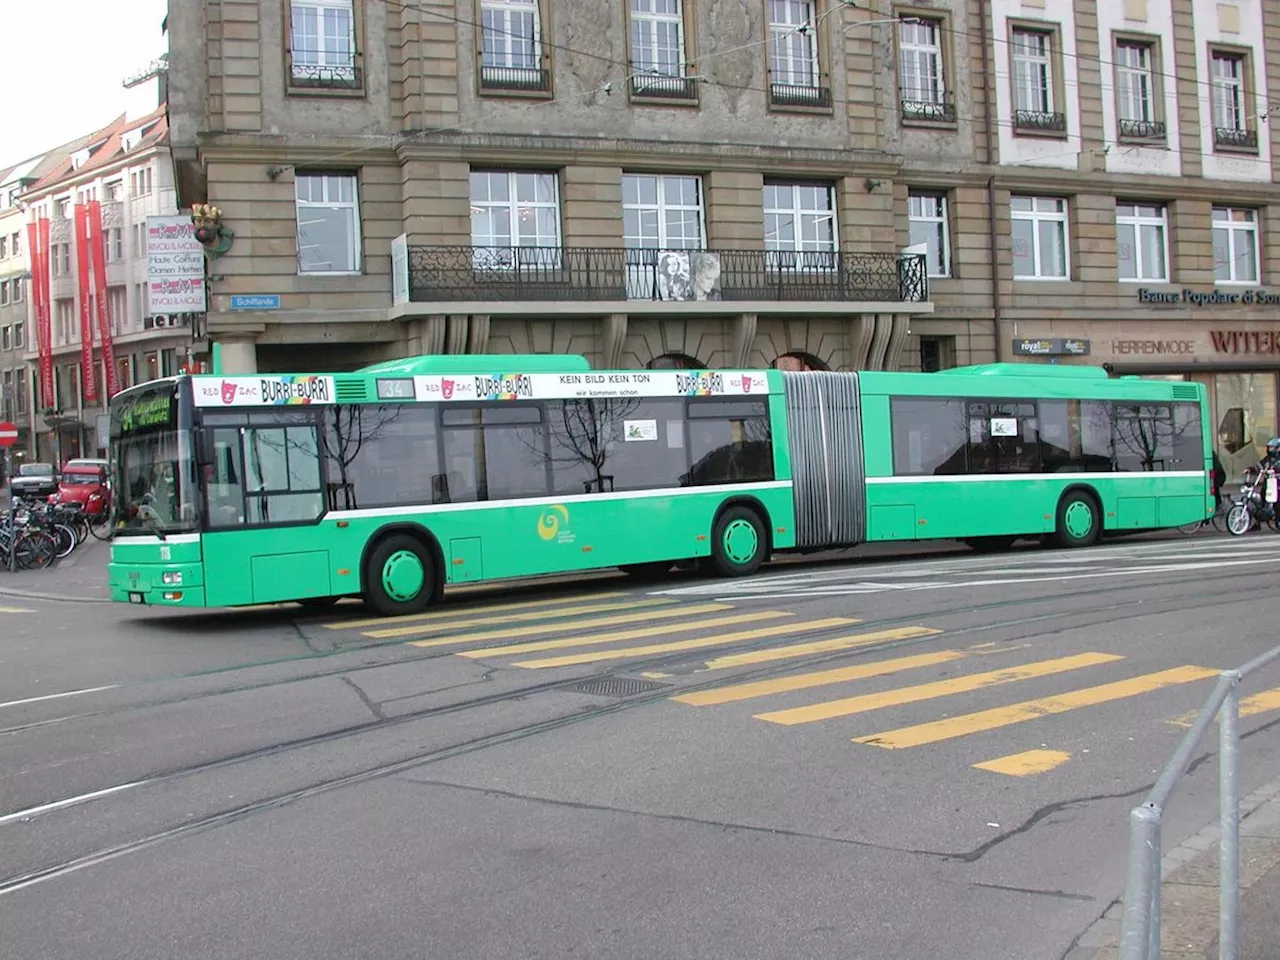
<point x="174" y="579"/>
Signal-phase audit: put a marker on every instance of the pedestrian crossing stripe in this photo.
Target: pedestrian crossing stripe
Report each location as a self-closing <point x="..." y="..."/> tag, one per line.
<point x="1025" y="764"/>
<point x="15" y="610"/>
<point x="984" y="720"/>
<point x="680" y="646"/>
<point x="833" y="645"/>
<point x="656" y="630"/>
<point x="1259" y="703"/>
<point x="419" y="629"/>
<point x="453" y="610"/>
<point x="535" y="629"/>
<point x="806" y="681"/>
<point x="968" y="683"/>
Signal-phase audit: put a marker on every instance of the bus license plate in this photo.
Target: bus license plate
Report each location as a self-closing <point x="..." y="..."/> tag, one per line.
<point x="135" y="598"/>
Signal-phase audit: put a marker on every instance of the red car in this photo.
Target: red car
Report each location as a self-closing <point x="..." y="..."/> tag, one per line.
<point x="85" y="482"/>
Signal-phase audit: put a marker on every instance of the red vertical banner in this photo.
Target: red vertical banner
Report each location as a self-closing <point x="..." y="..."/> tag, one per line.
<point x="44" y="320"/>
<point x="33" y="291"/>
<point x="98" y="252"/>
<point x="88" y="375"/>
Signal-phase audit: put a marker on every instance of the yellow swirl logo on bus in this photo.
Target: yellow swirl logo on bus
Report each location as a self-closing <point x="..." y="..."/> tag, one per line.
<point x="552" y="520"/>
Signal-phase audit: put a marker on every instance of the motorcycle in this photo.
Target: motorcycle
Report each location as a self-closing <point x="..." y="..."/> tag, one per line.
<point x="1256" y="503"/>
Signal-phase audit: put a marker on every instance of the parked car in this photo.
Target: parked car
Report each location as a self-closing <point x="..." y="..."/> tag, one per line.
<point x="34" y="480"/>
<point x="85" y="482"/>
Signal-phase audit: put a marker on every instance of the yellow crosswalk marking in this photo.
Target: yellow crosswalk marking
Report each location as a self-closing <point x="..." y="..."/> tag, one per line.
<point x="15" y="610"/>
<point x="677" y="646"/>
<point x="928" y="691"/>
<point x="651" y="630"/>
<point x="424" y="629"/>
<point x="1025" y="764"/>
<point x="1263" y="702"/>
<point x="804" y="681"/>
<point x="819" y="646"/>
<point x="458" y="610"/>
<point x="984" y="720"/>
<point x="535" y="629"/>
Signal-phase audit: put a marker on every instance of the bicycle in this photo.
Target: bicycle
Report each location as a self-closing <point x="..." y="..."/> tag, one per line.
<point x="1218" y="521"/>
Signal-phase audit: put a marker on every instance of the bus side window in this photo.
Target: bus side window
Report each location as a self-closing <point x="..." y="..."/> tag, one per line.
<point x="226" y="489"/>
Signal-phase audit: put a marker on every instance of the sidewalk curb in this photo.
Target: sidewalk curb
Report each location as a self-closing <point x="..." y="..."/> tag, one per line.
<point x="1189" y="887"/>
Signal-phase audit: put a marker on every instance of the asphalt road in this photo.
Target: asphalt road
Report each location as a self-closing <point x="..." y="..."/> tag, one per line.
<point x="914" y="758"/>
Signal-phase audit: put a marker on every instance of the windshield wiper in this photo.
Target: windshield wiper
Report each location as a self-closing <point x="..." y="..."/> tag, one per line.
<point x="152" y="519"/>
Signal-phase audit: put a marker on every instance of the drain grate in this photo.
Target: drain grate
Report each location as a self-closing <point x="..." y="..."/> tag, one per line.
<point x="616" y="687"/>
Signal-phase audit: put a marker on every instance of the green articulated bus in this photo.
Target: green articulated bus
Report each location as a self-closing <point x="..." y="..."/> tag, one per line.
<point x="399" y="479"/>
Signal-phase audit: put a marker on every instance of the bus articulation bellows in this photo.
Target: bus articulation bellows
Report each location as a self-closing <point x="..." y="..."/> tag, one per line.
<point x="395" y="481"/>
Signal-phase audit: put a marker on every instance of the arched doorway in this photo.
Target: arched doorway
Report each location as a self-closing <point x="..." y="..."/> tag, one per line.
<point x="798" y="362"/>
<point x="675" y="361"/>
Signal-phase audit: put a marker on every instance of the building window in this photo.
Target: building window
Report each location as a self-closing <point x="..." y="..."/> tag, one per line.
<point x="17" y="244"/>
<point x="20" y="389"/>
<point x="4" y="294"/>
<point x="117" y="241"/>
<point x="1137" y="103"/>
<point x="6" y="338"/>
<point x="117" y="307"/>
<point x="793" y="55"/>
<point x="328" y="223"/>
<point x="511" y="46"/>
<point x="140" y="182"/>
<point x="1235" y="245"/>
<point x="658" y="67"/>
<point x="19" y="329"/>
<point x="1231" y="126"/>
<point x="322" y="50"/>
<point x="17" y="290"/>
<point x="800" y="226"/>
<point x="60" y="259"/>
<point x="1141" y="242"/>
<point x="663" y="212"/>
<point x="1034" y="92"/>
<point x="140" y="297"/>
<point x="927" y="218"/>
<point x="1039" y="238"/>
<point x="921" y="80"/>
<point x="512" y="210"/>
<point x="799" y="362"/>
<point x="64" y="208"/>
<point x="4" y="248"/>
<point x="115" y="190"/>
<point x="66" y="313"/>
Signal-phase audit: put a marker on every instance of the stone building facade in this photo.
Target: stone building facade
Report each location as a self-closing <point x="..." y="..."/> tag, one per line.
<point x="1093" y="181"/>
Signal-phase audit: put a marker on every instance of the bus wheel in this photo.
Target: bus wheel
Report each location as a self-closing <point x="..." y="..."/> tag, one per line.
<point x="399" y="576"/>
<point x="990" y="544"/>
<point x="738" y="542"/>
<point x="647" y="572"/>
<point x="1079" y="520"/>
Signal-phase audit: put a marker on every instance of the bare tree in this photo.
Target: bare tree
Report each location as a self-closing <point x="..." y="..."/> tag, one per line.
<point x="347" y="431"/>
<point x="583" y="432"/>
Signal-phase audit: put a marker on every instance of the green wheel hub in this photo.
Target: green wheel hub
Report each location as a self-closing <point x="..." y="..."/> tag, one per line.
<point x="740" y="540"/>
<point x="403" y="575"/>
<point x="1078" y="519"/>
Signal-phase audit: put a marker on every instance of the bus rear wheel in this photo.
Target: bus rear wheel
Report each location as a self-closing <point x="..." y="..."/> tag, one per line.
<point x="399" y="576"/>
<point x="738" y="542"/>
<point x="1079" y="520"/>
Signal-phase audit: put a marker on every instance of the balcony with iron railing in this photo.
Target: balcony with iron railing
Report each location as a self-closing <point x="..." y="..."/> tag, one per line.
<point x="1039" y="121"/>
<point x="457" y="274"/>
<point x="310" y="69"/>
<point x="1141" y="131"/>
<point x="940" y="110"/>
<point x="1234" y="138"/>
<point x="514" y="79"/>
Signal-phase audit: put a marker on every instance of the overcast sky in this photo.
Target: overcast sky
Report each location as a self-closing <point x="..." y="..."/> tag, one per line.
<point x="64" y="61"/>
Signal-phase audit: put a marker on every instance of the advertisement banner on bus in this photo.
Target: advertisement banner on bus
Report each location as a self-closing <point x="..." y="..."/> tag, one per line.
<point x="593" y="386"/>
<point x="265" y="391"/>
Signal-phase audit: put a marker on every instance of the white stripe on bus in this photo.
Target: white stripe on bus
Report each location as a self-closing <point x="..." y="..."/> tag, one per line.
<point x="1059" y="477"/>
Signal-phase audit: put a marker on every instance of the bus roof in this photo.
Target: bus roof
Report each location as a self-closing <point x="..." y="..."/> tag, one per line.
<point x="464" y="363"/>
<point x="1028" y="370"/>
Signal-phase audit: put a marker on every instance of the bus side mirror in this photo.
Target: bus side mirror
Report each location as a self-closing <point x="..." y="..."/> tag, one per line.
<point x="204" y="448"/>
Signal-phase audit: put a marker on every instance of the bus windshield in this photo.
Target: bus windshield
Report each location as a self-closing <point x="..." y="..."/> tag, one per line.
<point x="154" y="466"/>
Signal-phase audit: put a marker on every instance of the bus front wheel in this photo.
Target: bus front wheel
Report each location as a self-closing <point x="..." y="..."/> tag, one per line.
<point x="738" y="542"/>
<point x="399" y="576"/>
<point x="1079" y="520"/>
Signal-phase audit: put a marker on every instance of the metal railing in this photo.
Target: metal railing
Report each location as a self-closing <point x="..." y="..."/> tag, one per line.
<point x="1040" y="121"/>
<point x="1141" y="129"/>
<point x="1233" y="137"/>
<point x="451" y="274"/>
<point x="1140" y="927"/>
<point x="932" y="111"/>
<point x="531" y="79"/>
